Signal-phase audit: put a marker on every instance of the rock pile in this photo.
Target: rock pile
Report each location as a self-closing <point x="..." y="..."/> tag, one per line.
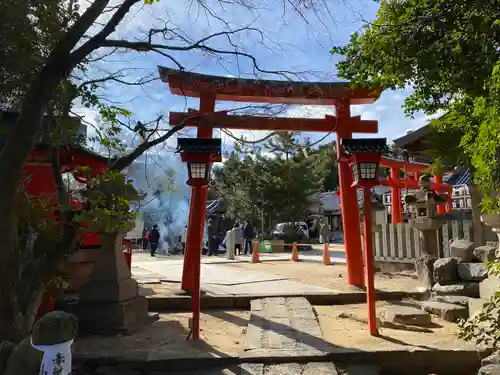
<point x="458" y="280"/>
<point x="490" y="365"/>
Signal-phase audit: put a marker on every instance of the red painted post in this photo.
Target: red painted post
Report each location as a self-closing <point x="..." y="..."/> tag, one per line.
<point x="197" y="242"/>
<point x="369" y="262"/>
<point x="396" y="211"/>
<point x="207" y="104"/>
<point x="349" y="207"/>
<point x="441" y="208"/>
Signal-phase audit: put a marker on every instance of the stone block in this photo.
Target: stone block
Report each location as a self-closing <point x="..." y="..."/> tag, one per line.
<point x="466" y="289"/>
<point x="109" y="291"/>
<point x="455" y="300"/>
<point x="475" y="306"/>
<point x="405" y="315"/>
<point x="445" y="311"/>
<point x="485" y="253"/>
<point x="489" y="286"/>
<point x="445" y="270"/>
<point x="489" y="370"/>
<point x="462" y="249"/>
<point x="493" y="359"/>
<point x="472" y="271"/>
<point x="113" y="317"/>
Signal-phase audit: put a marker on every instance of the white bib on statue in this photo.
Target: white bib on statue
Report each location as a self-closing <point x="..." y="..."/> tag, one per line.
<point x="56" y="358"/>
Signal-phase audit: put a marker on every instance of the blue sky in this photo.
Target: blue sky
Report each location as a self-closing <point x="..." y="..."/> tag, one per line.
<point x="287" y="43"/>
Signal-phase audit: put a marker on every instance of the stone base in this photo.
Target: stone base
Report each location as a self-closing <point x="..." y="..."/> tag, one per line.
<point x="112" y="317"/>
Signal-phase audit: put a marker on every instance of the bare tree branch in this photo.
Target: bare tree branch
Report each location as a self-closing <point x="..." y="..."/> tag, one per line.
<point x="93" y="43"/>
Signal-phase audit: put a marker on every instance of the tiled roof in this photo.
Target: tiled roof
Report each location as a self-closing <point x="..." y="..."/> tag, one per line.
<point x="330" y="201"/>
<point x="460" y="177"/>
<point x="365" y="145"/>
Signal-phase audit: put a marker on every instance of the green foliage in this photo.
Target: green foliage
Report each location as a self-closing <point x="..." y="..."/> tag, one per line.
<point x="484" y="327"/>
<point x="108" y="197"/>
<point x="443" y="49"/>
<point x="28" y="32"/>
<point x="477" y="118"/>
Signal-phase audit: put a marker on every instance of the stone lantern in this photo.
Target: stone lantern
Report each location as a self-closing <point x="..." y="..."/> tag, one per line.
<point x="424" y="217"/>
<point x="198" y="154"/>
<point x="109" y="301"/>
<point x="364" y="160"/>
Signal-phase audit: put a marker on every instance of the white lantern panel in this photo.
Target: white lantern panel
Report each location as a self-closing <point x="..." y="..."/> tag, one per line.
<point x="368" y="171"/>
<point x="198" y="170"/>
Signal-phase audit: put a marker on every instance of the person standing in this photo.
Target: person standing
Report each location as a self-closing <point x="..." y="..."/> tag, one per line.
<point x="324" y="232"/>
<point x="154" y="240"/>
<point x="211" y="238"/>
<point x="238" y="239"/>
<point x="249" y="235"/>
<point x="145" y="240"/>
<point x="184" y="234"/>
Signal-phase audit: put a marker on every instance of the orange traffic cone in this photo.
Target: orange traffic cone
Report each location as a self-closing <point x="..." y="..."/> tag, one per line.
<point x="295" y="253"/>
<point x="326" y="255"/>
<point x="255" y="252"/>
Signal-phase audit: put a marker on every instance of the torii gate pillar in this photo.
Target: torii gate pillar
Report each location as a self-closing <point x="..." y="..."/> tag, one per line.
<point x="193" y="252"/>
<point x="349" y="203"/>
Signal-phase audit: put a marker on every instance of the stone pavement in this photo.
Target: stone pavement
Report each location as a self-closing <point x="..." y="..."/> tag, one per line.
<point x="210" y="273"/>
<point x="278" y="288"/>
<point x="337" y="255"/>
<point x="224" y="280"/>
<point x="283" y="327"/>
<point x="312" y="368"/>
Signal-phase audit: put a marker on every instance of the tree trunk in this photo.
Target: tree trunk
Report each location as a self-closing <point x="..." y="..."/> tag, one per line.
<point x="12" y="157"/>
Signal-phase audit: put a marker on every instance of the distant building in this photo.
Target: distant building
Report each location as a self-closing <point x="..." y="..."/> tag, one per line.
<point x="327" y="205"/>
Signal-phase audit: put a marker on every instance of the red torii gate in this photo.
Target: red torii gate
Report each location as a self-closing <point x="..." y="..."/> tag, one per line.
<point x="413" y="171"/>
<point x="338" y="94"/>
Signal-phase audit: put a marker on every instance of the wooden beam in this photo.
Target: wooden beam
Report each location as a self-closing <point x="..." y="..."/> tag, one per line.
<point x="222" y="120"/>
<point x="264" y="91"/>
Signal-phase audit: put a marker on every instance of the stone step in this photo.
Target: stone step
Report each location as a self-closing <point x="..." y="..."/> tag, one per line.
<point x="466" y="289"/>
<point x="455" y="300"/>
<point x="314" y="368"/>
<point x="403" y="314"/>
<point x="446" y="311"/>
<point x="472" y="271"/>
<point x="283" y="327"/>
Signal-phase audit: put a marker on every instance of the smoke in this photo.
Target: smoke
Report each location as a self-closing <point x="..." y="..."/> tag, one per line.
<point x="162" y="177"/>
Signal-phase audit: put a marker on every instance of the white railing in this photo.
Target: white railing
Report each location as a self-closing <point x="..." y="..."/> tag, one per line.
<point x="401" y="243"/>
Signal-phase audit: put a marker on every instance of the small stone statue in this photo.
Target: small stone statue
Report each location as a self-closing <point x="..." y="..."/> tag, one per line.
<point x="47" y="351"/>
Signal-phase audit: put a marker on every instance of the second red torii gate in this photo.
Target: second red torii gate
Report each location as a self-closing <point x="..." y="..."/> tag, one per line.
<point x="338" y="94"/>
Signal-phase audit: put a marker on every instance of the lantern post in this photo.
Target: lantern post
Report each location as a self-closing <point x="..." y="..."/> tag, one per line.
<point x="364" y="157"/>
<point x="198" y="154"/>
